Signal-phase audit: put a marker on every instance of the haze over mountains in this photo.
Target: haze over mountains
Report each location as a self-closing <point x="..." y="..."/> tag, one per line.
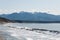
<point x="29" y="16"/>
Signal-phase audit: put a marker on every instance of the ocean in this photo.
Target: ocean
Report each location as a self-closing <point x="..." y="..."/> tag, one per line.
<point x="49" y="26"/>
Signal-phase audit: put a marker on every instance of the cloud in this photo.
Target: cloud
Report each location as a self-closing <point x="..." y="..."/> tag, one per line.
<point x="9" y="11"/>
<point x="6" y="11"/>
<point x="55" y="12"/>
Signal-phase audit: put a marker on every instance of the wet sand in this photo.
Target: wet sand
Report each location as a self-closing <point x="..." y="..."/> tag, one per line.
<point x="2" y="35"/>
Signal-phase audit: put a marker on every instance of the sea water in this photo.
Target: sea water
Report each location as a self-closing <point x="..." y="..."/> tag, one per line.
<point x="49" y="26"/>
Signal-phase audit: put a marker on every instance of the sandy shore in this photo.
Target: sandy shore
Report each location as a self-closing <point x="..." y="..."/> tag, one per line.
<point x="2" y="35"/>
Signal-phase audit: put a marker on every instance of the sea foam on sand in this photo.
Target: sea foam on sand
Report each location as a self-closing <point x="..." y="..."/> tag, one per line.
<point x="8" y="32"/>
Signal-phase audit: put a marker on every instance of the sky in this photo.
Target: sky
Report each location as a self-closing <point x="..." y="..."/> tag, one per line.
<point x="49" y="6"/>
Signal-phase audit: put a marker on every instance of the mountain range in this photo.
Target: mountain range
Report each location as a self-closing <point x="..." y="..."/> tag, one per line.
<point x="29" y="16"/>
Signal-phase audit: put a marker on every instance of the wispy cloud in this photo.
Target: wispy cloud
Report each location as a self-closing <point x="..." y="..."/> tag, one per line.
<point x="6" y="11"/>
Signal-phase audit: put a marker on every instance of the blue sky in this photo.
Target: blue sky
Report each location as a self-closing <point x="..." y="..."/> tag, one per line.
<point x="9" y="6"/>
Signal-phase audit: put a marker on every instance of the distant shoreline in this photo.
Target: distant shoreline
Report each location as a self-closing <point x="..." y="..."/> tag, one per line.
<point x="36" y="21"/>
